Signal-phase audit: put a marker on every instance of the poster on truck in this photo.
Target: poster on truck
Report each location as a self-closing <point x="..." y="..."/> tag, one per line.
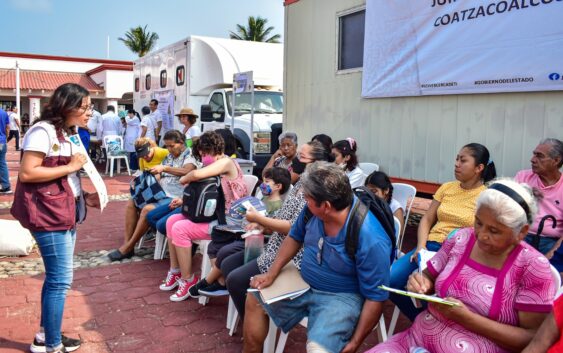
<point x="166" y="108"/>
<point x="431" y="47"/>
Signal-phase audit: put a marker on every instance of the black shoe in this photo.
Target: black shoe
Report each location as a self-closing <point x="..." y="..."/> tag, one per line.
<point x="214" y="290"/>
<point x="194" y="290"/>
<point x="116" y="255"/>
<point x="5" y="191"/>
<point x="69" y="345"/>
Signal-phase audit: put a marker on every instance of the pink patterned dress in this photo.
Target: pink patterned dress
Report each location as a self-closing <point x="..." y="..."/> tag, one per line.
<point x="524" y="283"/>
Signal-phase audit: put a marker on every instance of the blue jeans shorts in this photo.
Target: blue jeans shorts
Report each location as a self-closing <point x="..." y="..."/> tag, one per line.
<point x="332" y="317"/>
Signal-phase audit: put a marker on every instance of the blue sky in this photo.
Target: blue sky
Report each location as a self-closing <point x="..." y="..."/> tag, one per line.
<point x="80" y="27"/>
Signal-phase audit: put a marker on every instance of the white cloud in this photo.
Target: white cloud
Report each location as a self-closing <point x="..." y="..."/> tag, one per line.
<point x="32" y="5"/>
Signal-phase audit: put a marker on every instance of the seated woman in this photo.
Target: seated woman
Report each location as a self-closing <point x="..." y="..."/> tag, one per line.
<point x="233" y="267"/>
<point x="345" y="156"/>
<point x="503" y="287"/>
<point x="453" y="207"/>
<point x="381" y="186"/>
<point x="179" y="162"/>
<point x="181" y="231"/>
<point x="285" y="155"/>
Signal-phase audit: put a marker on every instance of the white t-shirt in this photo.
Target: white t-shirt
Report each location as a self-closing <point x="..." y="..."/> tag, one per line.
<point x="42" y="137"/>
<point x="194" y="131"/>
<point x="94" y="121"/>
<point x="357" y="177"/>
<point x="13" y="117"/>
<point x="150" y="125"/>
<point x="394" y="205"/>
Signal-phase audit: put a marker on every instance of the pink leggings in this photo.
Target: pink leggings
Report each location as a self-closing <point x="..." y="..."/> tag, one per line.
<point x="182" y="231"/>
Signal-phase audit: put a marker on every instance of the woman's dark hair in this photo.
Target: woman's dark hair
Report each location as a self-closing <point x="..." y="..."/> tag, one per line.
<point x="193" y="118"/>
<point x="210" y="142"/>
<point x="319" y="152"/>
<point x="481" y="155"/>
<point x="230" y="141"/>
<point x="279" y="176"/>
<point x="66" y="98"/>
<point x="324" y="139"/>
<point x="134" y="112"/>
<point x="380" y="180"/>
<point x="175" y="136"/>
<point x="348" y="147"/>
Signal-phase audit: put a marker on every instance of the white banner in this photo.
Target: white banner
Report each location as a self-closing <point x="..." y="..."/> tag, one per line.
<point x="428" y="47"/>
<point x="166" y="108"/>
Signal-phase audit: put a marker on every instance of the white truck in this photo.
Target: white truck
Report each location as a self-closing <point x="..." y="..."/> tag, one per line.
<point x="197" y="72"/>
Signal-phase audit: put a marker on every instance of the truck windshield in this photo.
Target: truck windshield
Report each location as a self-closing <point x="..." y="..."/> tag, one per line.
<point x="264" y="102"/>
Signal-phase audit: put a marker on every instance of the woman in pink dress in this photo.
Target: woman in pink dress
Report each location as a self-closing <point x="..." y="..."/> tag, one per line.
<point x="504" y="288"/>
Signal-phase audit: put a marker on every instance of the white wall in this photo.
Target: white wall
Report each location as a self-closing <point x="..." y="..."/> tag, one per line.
<point x="409" y="137"/>
<point x="46" y="65"/>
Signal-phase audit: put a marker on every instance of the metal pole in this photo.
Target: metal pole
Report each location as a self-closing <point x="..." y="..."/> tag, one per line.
<point x="251" y="122"/>
<point x="234" y="105"/>
<point x="18" y="87"/>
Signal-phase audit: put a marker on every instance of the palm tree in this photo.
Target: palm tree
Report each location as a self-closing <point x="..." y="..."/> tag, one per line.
<point x="255" y="31"/>
<point x="139" y="40"/>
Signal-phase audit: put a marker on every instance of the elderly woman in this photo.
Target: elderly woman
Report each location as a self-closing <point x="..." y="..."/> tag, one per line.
<point x="502" y="286"/>
<point x="285" y="155"/>
<point x="177" y="163"/>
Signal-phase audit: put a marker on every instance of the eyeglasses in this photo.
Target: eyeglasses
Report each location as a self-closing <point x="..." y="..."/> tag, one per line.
<point x="89" y="107"/>
<point x="320" y="244"/>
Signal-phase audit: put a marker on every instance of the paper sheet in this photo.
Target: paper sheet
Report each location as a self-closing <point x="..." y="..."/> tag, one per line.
<point x="92" y="172"/>
<point x="428" y="298"/>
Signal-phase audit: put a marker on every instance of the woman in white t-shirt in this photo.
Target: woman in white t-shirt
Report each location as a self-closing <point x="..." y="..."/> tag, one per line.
<point x="148" y="126"/>
<point x="188" y="118"/>
<point x="381" y="186"/>
<point x="344" y="152"/>
<point x="49" y="166"/>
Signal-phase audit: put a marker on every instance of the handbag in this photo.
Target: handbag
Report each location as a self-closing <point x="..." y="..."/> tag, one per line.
<point x="48" y="206"/>
<point x="145" y="190"/>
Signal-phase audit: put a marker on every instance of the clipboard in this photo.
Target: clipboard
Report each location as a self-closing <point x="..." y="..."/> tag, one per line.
<point x="428" y="298"/>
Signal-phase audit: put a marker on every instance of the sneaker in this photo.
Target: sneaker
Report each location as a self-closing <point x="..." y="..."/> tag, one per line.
<point x="182" y="292"/>
<point x="69" y="344"/>
<point x="5" y="191"/>
<point x="171" y="281"/>
<point x="195" y="289"/>
<point x="214" y="290"/>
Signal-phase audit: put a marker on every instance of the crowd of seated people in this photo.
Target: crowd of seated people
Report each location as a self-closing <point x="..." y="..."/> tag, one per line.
<point x="484" y="232"/>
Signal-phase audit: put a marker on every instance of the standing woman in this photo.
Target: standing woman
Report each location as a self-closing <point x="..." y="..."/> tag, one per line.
<point x="345" y="156"/>
<point x="47" y="193"/>
<point x="132" y="133"/>
<point x="188" y="118"/>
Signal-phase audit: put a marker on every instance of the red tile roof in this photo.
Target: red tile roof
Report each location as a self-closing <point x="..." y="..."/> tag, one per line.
<point x="47" y="80"/>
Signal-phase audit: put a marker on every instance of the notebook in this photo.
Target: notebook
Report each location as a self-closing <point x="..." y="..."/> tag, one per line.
<point x="429" y="298"/>
<point x="288" y="285"/>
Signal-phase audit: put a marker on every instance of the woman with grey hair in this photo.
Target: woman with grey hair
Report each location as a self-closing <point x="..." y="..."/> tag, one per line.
<point x="501" y="286"/>
<point x="285" y="154"/>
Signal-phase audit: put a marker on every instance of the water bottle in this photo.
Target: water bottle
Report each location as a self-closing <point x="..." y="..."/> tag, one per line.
<point x="253" y="245"/>
<point x="418" y="350"/>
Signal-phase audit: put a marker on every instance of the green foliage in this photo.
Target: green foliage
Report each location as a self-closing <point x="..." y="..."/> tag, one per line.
<point x="139" y="40"/>
<point x="256" y="31"/>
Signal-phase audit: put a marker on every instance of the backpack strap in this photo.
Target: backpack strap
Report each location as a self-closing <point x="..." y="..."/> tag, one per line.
<point x="356" y="219"/>
<point x="308" y="214"/>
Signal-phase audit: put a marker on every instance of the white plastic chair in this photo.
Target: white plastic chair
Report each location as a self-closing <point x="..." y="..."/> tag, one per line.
<point x="205" y="264"/>
<point x="110" y="158"/>
<point x="397" y="235"/>
<point x="250" y="181"/>
<point x="160" y="246"/>
<point x="404" y="194"/>
<point x="369" y="168"/>
<point x="557" y="278"/>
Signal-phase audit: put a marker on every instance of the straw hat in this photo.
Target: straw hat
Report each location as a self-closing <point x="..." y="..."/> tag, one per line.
<point x="187" y="111"/>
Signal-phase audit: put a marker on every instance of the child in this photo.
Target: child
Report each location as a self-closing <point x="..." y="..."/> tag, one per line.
<point x="276" y="183"/>
<point x="380" y="185"/>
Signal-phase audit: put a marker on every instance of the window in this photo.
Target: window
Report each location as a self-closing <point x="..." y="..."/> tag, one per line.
<point x="163" y="78"/>
<point x="216" y="103"/>
<point x="351" y="40"/>
<point x="148" y="82"/>
<point x="137" y="85"/>
<point x="180" y="75"/>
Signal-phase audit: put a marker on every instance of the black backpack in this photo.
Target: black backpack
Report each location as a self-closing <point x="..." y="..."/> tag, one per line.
<point x="368" y="203"/>
<point x="204" y="201"/>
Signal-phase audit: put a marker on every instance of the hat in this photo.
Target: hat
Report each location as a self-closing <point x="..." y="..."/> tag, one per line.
<point x="187" y="111"/>
<point x="143" y="150"/>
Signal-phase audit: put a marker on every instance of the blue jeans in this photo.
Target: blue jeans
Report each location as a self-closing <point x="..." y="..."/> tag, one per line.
<point x="4" y="176"/>
<point x="546" y="243"/>
<point x="332" y="317"/>
<point x="158" y="216"/>
<point x="56" y="250"/>
<point x="133" y="161"/>
<point x="400" y="272"/>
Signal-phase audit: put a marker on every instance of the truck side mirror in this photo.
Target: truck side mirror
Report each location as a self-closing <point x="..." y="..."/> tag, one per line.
<point x="207" y="115"/>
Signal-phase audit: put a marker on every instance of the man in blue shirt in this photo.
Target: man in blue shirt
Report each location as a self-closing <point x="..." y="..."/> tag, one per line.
<point x="4" y="131"/>
<point x="344" y="302"/>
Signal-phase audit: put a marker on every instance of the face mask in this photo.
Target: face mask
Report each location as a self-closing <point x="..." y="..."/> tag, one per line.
<point x="266" y="189"/>
<point x="207" y="160"/>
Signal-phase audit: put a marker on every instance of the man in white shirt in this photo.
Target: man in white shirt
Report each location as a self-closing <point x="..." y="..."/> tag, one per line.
<point x="93" y="123"/>
<point x="156" y="116"/>
<point x="148" y="127"/>
<point x="14" y="127"/>
<point x="110" y="124"/>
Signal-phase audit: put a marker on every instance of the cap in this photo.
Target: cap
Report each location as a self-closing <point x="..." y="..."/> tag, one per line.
<point x="187" y="111"/>
<point x="143" y="150"/>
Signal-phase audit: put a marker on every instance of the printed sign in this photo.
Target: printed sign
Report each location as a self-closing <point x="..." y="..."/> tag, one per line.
<point x="242" y="82"/>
